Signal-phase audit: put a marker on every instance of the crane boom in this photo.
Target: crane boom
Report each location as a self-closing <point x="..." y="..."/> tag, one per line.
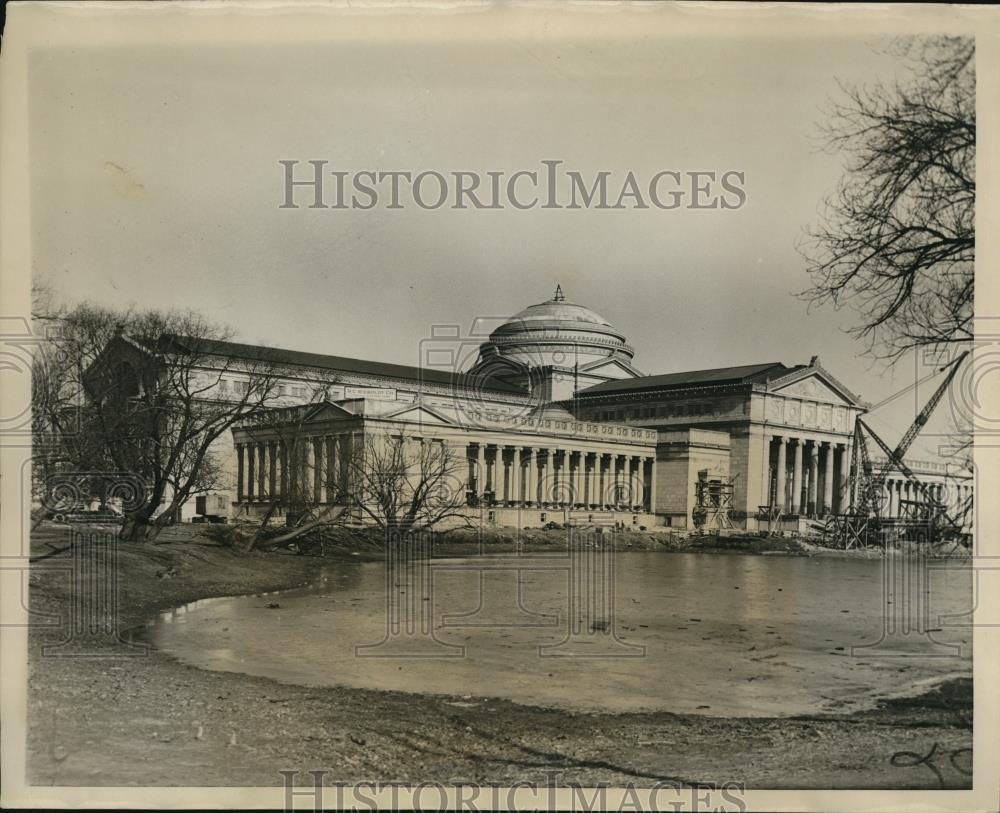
<point x="929" y="407"/>
<point x="894" y="457"/>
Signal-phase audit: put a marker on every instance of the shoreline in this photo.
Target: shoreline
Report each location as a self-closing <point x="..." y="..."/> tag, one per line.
<point x="90" y="717"/>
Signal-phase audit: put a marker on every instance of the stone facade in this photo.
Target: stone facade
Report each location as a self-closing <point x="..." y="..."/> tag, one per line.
<point x="789" y="432"/>
<point x="522" y="471"/>
<point x="557" y="425"/>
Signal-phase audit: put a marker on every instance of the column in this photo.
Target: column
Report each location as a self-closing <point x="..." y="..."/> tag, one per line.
<point x="811" y="506"/>
<point x="533" y="476"/>
<point x="601" y="463"/>
<point x="239" y="472"/>
<point x="490" y="480"/>
<point x="515" y="475"/>
<point x="612" y="489"/>
<point x="508" y="494"/>
<point x="345" y="451"/>
<point x="828" y="480"/>
<point x="576" y="480"/>
<point x="594" y="461"/>
<point x="782" y="471"/>
<point x="330" y="474"/>
<point x="295" y="469"/>
<point x="262" y="471"/>
<point x="251" y="471"/>
<point x="797" y="477"/>
<point x="548" y="476"/>
<point x="285" y="479"/>
<point x="272" y="474"/>
<point x="641" y="483"/>
<point x="480" y="469"/>
<point x="845" y="478"/>
<point x="309" y="473"/>
<point x="555" y="487"/>
<point x="319" y="467"/>
<point x="566" y="477"/>
<point x="652" y="485"/>
<point x="629" y="476"/>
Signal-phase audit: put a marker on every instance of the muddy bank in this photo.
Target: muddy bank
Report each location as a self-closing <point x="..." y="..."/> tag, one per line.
<point x="463" y="542"/>
<point x="145" y="719"/>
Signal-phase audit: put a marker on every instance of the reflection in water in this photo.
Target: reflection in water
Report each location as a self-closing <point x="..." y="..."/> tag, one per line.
<point x="725" y="635"/>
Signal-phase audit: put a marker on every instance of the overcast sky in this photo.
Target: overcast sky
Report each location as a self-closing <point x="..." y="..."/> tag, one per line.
<point x="155" y="180"/>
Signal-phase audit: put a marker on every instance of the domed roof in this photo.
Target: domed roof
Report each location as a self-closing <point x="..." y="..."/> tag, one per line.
<point x="556" y="333"/>
<point x="555" y="311"/>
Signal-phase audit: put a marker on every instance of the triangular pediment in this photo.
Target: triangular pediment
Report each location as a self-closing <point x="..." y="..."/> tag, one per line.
<point x="417" y="413"/>
<point x="326" y="410"/>
<point x="814" y="386"/>
<point x="610" y="368"/>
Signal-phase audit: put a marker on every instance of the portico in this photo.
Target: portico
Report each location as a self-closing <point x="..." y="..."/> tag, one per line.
<point x="808" y="475"/>
<point x="536" y="476"/>
<point x="519" y="470"/>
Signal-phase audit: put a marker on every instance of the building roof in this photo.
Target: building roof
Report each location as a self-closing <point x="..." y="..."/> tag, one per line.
<point x="274" y="355"/>
<point x="745" y="374"/>
<point x="555" y="312"/>
<point x="555" y="333"/>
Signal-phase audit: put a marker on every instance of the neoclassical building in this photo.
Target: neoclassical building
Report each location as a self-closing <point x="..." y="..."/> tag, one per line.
<point x="787" y="430"/>
<point x="553" y="422"/>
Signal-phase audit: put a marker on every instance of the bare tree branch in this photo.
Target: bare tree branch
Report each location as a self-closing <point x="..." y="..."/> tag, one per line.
<point x="897" y="242"/>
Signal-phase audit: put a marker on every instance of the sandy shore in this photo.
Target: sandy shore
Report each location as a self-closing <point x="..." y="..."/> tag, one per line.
<point x="145" y="719"/>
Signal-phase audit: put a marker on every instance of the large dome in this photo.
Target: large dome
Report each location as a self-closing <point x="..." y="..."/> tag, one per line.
<point x="556" y="333"/>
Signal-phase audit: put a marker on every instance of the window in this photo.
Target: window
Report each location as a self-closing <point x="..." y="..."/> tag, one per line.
<point x="299" y="392"/>
<point x="223" y="386"/>
<point x="282" y="389"/>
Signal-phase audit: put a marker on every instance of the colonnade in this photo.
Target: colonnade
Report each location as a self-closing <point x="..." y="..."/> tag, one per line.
<point x="541" y="476"/>
<point x="808" y="476"/>
<point x="309" y="469"/>
<point x="897" y="491"/>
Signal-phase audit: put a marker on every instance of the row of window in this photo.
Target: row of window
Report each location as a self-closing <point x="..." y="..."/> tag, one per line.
<point x="491" y="516"/>
<point x="663" y="411"/>
<point x="242" y="387"/>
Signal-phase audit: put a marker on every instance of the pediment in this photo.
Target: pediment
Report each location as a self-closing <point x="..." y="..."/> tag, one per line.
<point x="326" y="410"/>
<point x="813" y="387"/>
<point x="425" y="416"/>
<point x="610" y="368"/>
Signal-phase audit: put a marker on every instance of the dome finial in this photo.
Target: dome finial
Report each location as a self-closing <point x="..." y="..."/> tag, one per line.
<point x="559" y="296"/>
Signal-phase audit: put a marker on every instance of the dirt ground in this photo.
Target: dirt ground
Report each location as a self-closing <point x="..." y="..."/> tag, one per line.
<point x="134" y="718"/>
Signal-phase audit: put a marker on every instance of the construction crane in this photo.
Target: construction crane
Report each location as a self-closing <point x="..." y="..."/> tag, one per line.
<point x="866" y="485"/>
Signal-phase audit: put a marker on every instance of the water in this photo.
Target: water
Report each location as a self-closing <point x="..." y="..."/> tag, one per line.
<point x="717" y="635"/>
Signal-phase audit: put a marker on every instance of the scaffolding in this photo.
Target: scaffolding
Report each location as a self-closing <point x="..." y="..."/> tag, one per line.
<point x="713" y="509"/>
<point x="865" y="523"/>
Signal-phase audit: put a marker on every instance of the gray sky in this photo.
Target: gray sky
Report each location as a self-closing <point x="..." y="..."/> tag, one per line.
<point x="155" y="181"/>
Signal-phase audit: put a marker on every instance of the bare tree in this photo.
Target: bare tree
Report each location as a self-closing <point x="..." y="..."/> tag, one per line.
<point x="310" y="493"/>
<point x="387" y="478"/>
<point x="154" y="406"/>
<point x="405" y="484"/>
<point x="897" y="241"/>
